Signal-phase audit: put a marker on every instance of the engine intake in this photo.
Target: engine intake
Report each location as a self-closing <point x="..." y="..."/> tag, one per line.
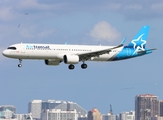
<point x="71" y="59"/>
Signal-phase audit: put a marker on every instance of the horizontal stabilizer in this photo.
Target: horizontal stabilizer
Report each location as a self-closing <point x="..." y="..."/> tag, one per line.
<point x="146" y="51"/>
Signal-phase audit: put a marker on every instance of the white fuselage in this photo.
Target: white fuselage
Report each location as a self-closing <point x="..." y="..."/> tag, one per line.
<point x="54" y="54"/>
<point x="56" y="51"/>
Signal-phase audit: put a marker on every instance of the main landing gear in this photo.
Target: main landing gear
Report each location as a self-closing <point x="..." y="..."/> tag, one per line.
<point x="71" y="67"/>
<point x="20" y="63"/>
<point x="83" y="66"/>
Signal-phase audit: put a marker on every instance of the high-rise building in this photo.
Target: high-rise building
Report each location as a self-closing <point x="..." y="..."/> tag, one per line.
<point x="37" y="106"/>
<point x="156" y="118"/>
<point x="23" y="117"/>
<point x="58" y="114"/>
<point x="83" y="118"/>
<point x="94" y="114"/>
<point x="131" y="115"/>
<point x="7" y="114"/>
<point x="146" y="106"/>
<point x="127" y="115"/>
<point x="117" y="117"/>
<point x="34" y="107"/>
<point x="108" y="117"/>
<point x="161" y="108"/>
<point x="8" y="107"/>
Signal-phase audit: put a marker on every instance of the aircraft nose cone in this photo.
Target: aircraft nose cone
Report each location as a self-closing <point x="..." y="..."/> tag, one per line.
<point x="4" y="53"/>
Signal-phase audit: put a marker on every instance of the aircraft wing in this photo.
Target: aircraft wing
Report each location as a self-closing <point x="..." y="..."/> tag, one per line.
<point x="88" y="55"/>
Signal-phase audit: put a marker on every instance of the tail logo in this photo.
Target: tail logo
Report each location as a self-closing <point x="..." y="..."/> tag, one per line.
<point x="139" y="44"/>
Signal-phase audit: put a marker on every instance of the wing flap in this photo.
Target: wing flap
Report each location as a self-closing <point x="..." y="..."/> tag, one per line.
<point x="88" y="55"/>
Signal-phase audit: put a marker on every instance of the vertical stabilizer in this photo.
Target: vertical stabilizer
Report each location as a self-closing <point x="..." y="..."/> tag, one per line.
<point x="139" y="41"/>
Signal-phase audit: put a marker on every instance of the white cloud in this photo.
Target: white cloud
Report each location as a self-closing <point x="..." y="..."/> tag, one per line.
<point x="45" y="33"/>
<point x="34" y="32"/>
<point x="133" y="7"/>
<point x="8" y="33"/>
<point x="6" y="14"/>
<point x="103" y="31"/>
<point x="129" y="9"/>
<point x="32" y="4"/>
<point x="158" y="7"/>
<point x="28" y="33"/>
<point x="113" y="6"/>
<point x="35" y="5"/>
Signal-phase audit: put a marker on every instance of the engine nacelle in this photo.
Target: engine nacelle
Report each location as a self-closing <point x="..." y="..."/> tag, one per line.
<point x="71" y="59"/>
<point x="52" y="62"/>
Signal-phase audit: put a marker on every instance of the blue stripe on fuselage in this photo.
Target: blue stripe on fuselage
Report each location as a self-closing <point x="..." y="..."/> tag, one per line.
<point x="129" y="52"/>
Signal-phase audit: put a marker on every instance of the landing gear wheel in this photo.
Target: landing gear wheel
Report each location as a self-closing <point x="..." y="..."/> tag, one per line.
<point x="19" y="65"/>
<point x="71" y="67"/>
<point x="84" y="66"/>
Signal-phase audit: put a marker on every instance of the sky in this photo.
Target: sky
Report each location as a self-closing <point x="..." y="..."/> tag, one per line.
<point x="104" y="22"/>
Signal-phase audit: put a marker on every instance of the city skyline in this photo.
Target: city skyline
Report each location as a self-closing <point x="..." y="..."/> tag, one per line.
<point x="146" y="106"/>
<point x="104" y="22"/>
<point x="13" y="108"/>
<point x="53" y="103"/>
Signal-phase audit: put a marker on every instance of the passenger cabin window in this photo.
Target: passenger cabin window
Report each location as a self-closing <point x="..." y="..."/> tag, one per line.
<point x="12" y="48"/>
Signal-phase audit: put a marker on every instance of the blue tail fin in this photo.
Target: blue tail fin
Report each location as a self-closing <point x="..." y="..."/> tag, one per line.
<point x="139" y="41"/>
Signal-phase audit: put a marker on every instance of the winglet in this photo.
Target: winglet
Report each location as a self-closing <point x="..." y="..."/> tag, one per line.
<point x="124" y="40"/>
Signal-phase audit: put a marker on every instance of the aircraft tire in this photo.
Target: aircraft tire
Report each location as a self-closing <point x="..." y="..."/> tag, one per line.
<point x="19" y="65"/>
<point x="84" y="66"/>
<point x="71" y="67"/>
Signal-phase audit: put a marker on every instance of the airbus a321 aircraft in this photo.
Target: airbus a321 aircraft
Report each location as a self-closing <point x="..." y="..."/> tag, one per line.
<point x="54" y="54"/>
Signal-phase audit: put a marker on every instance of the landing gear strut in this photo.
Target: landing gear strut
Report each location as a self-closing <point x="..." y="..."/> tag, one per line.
<point x="71" y="67"/>
<point x="20" y="63"/>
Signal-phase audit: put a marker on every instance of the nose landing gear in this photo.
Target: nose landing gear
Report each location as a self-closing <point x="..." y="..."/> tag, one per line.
<point x="20" y="63"/>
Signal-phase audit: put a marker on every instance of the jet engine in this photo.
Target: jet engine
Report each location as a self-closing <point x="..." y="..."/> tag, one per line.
<point x="71" y="59"/>
<point x="52" y="62"/>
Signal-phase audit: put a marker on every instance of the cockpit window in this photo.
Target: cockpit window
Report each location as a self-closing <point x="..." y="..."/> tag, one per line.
<point x="12" y="48"/>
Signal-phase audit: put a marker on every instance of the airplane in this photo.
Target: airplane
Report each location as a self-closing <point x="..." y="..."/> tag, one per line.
<point x="54" y="54"/>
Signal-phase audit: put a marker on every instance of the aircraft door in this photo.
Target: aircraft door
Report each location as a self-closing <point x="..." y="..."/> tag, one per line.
<point x="22" y="48"/>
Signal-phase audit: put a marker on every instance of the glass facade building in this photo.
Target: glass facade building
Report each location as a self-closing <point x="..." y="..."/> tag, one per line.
<point x="58" y="114"/>
<point x="146" y="106"/>
<point x="37" y="106"/>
